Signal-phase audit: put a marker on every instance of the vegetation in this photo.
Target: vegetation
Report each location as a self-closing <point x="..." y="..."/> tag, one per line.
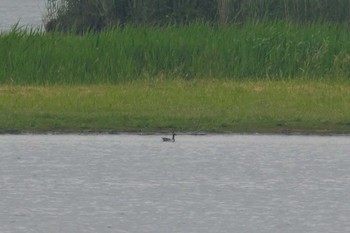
<point x="209" y="65"/>
<point x="190" y="106"/>
<point x="84" y="15"/>
<point x="255" y="51"/>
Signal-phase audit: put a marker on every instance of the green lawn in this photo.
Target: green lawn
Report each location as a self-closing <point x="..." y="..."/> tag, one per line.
<point x="186" y="106"/>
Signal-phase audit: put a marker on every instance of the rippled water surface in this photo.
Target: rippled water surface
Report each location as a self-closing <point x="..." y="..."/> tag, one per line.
<point x="215" y="183"/>
<point x="24" y="12"/>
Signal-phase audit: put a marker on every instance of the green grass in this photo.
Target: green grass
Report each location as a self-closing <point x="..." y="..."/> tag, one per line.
<point x="254" y="51"/>
<point x="270" y="77"/>
<point x="191" y="106"/>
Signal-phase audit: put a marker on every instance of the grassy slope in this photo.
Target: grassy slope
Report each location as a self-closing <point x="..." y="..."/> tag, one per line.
<point x="134" y="79"/>
<point x="191" y="106"/>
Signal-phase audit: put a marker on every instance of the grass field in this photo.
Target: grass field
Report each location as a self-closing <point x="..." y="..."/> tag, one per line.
<point x="184" y="106"/>
<point x="267" y="77"/>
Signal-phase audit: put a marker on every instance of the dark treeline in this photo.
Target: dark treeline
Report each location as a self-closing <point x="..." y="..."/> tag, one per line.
<point x="95" y="15"/>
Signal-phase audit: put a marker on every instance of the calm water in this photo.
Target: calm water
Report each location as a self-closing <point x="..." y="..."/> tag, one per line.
<point x="26" y="12"/>
<point x="217" y="183"/>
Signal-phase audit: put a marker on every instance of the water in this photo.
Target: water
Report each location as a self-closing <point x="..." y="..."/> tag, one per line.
<point x="130" y="183"/>
<point x="25" y="12"/>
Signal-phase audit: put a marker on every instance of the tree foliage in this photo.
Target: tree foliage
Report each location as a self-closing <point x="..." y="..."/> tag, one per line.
<point x="96" y="15"/>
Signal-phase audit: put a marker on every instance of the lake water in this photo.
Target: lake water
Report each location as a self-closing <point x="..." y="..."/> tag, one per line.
<point x="26" y="12"/>
<point x="212" y="183"/>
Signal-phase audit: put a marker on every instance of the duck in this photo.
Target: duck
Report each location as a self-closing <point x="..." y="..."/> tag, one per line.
<point x="170" y="139"/>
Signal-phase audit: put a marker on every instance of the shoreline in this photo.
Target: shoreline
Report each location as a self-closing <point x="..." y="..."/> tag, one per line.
<point x="204" y="133"/>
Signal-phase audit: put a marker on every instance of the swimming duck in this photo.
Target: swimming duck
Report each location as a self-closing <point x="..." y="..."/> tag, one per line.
<point x="169" y="139"/>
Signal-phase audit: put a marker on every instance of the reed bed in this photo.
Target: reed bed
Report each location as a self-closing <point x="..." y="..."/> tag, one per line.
<point x="254" y="51"/>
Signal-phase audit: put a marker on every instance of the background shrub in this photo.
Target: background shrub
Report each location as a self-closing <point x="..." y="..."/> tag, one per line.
<point x="96" y="15"/>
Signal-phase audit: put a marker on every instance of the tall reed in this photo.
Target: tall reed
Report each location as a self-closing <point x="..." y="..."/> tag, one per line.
<point x="278" y="50"/>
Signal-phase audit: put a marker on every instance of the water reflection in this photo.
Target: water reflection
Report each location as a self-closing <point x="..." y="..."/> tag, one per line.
<point x="24" y="12"/>
<point x="215" y="183"/>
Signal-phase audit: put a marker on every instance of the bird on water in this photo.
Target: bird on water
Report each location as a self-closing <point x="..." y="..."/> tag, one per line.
<point x="169" y="139"/>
